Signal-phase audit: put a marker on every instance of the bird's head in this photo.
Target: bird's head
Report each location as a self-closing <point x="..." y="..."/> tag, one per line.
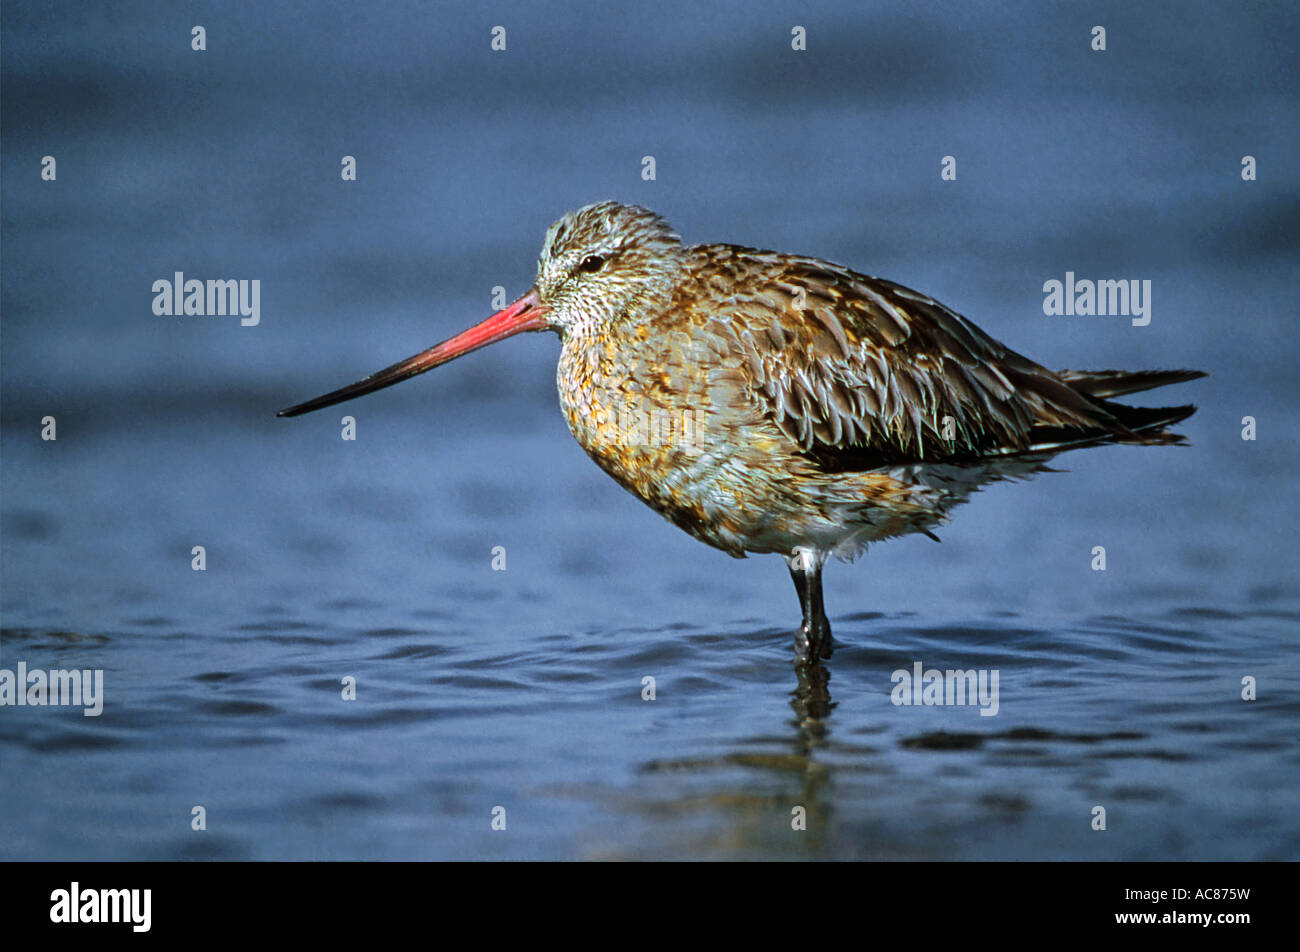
<point x="602" y="262"/>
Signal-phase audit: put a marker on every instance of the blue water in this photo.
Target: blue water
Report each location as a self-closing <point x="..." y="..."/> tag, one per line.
<point x="373" y="559"/>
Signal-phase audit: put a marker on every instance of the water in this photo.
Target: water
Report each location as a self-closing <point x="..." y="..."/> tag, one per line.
<point x="523" y="688"/>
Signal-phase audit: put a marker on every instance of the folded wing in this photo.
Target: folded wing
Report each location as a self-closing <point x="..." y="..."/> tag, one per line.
<point x="862" y="372"/>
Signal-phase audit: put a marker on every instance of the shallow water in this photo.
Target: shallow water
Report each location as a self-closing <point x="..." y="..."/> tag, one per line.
<point x="522" y="688"/>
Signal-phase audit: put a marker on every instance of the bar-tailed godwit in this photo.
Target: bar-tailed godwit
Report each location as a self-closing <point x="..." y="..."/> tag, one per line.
<point x="777" y="403"/>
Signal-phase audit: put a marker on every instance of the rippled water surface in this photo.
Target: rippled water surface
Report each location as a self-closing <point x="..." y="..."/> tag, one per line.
<point x="373" y="559"/>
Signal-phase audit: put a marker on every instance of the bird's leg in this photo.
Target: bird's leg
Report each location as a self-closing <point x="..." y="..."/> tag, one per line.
<point x="813" y="639"/>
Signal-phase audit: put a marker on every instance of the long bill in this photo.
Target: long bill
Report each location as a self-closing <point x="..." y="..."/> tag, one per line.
<point x="525" y="314"/>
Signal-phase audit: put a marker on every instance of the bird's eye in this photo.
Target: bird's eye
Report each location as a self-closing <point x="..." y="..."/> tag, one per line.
<point x="591" y="263"/>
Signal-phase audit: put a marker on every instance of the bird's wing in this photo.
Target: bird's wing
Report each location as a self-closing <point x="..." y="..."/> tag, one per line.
<point x="860" y="371"/>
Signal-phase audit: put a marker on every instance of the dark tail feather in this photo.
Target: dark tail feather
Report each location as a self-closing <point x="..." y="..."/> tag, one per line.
<point x="1103" y="384"/>
<point x="1142" y="426"/>
<point x="1147" y="424"/>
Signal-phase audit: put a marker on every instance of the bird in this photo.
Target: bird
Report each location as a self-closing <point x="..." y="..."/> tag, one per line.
<point x="771" y="403"/>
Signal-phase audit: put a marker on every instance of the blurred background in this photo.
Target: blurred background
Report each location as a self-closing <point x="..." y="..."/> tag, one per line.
<point x="523" y="688"/>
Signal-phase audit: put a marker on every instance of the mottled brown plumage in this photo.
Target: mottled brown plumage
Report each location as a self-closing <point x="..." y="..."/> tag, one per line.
<point x="767" y="402"/>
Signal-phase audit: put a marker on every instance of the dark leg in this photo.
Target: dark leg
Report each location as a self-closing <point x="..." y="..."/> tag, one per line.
<point x="813" y="639"/>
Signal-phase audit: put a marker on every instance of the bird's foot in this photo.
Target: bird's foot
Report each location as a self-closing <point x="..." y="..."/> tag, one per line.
<point x="812" y="643"/>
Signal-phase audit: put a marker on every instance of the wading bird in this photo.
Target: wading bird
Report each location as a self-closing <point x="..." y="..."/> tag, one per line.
<point x="768" y="402"/>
